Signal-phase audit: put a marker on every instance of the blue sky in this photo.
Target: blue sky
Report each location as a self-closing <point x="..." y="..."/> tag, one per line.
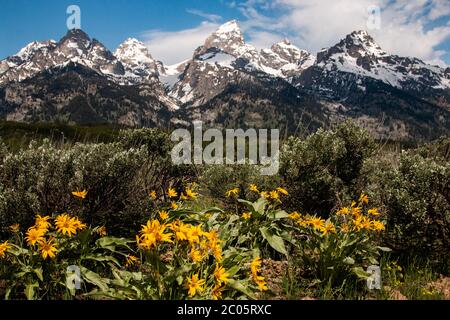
<point x="173" y="28"/>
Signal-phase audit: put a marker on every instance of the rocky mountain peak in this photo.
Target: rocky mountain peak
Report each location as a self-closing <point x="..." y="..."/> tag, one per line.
<point x="138" y="62"/>
<point x="229" y="38"/>
<point x="133" y="51"/>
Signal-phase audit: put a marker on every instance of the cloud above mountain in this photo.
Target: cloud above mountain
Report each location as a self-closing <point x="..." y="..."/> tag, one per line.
<point x="175" y="46"/>
<point x="418" y="28"/>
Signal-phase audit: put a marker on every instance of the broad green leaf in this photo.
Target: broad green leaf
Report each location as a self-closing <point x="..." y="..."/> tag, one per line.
<point x="385" y="249"/>
<point x="111" y="243"/>
<point x="259" y="205"/>
<point x="280" y="214"/>
<point x="94" y="278"/>
<point x="237" y="285"/>
<point x="360" y="272"/>
<point x="100" y="258"/>
<point x="276" y="242"/>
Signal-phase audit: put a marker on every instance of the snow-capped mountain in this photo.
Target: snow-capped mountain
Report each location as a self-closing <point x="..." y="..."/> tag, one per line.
<point x="286" y="59"/>
<point x="358" y="54"/>
<point x="75" y="46"/>
<point x="226" y="59"/>
<point x="227" y="82"/>
<point x="138" y="62"/>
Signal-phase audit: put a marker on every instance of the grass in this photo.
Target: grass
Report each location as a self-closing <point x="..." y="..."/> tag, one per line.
<point x="18" y="135"/>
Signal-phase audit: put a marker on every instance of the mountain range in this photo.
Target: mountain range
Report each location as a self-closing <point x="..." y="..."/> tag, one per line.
<point x="227" y="83"/>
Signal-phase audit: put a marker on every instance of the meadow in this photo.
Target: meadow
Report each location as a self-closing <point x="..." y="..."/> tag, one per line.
<point x="110" y="203"/>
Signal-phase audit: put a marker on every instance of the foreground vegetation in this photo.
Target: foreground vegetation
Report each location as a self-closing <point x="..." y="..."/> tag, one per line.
<point x="137" y="227"/>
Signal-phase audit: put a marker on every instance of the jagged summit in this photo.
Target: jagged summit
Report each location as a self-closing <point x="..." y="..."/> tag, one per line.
<point x="229" y="38"/>
<point x="230" y="27"/>
<point x="76" y="34"/>
<point x="137" y="60"/>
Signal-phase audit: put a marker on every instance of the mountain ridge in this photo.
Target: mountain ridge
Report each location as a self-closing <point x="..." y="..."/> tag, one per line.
<point x="355" y="79"/>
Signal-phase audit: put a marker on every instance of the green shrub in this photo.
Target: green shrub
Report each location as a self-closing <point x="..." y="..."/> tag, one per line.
<point x="118" y="177"/>
<point x="323" y="170"/>
<point x="416" y="197"/>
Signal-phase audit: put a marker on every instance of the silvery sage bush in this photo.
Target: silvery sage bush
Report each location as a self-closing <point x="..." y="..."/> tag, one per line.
<point x="118" y="177"/>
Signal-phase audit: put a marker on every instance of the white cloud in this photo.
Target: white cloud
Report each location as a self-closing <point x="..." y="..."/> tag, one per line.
<point x="208" y="16"/>
<point x="408" y="28"/>
<point x="263" y="39"/>
<point x="174" y="46"/>
<point x="315" y="24"/>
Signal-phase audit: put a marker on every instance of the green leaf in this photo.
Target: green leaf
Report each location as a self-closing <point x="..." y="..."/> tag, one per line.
<point x="280" y="214"/>
<point x="212" y="210"/>
<point x="276" y="242"/>
<point x="360" y="272"/>
<point x="259" y="205"/>
<point x="385" y="249"/>
<point x="30" y="290"/>
<point x="94" y="278"/>
<point x="38" y="272"/>
<point x="101" y="258"/>
<point x="237" y="285"/>
<point x="111" y="243"/>
<point x="348" y="260"/>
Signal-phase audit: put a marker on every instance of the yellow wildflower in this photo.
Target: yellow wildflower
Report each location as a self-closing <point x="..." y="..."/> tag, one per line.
<point x="259" y="280"/>
<point x="163" y="215"/>
<point x="361" y="222"/>
<point x="356" y="211"/>
<point x="364" y="199"/>
<point x="377" y="225"/>
<point x="253" y="187"/>
<point x="295" y="215"/>
<point x="195" y="255"/>
<point x="216" y="292"/>
<point x="78" y="224"/>
<point x="220" y="274"/>
<point x="171" y="193"/>
<point x="232" y="192"/>
<point x="80" y="194"/>
<point x="373" y="212"/>
<point x="282" y="191"/>
<point x="194" y="233"/>
<point x="34" y="236"/>
<point x="327" y="228"/>
<point x="345" y="228"/>
<point x="153" y="195"/>
<point x="131" y="260"/>
<point x="3" y="248"/>
<point x="246" y="215"/>
<point x="316" y="223"/>
<point x="343" y="211"/>
<point x="42" y="223"/>
<point x="66" y="225"/>
<point x="190" y="194"/>
<point x="265" y="195"/>
<point x="194" y="285"/>
<point x="101" y="231"/>
<point x="14" y="228"/>
<point x="275" y="195"/>
<point x="152" y="233"/>
<point x="48" y="249"/>
<point x="174" y="205"/>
